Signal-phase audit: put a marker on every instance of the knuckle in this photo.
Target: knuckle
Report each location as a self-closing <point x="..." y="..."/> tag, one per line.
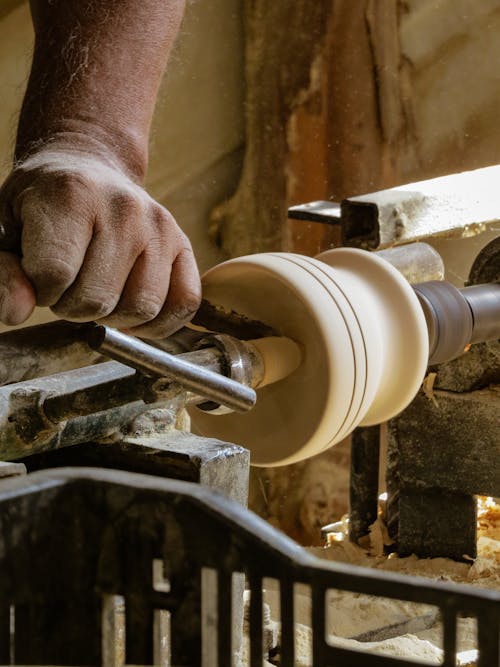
<point x="184" y="308"/>
<point x="87" y="304"/>
<point x="185" y="249"/>
<point x="62" y="194"/>
<point x="71" y="185"/>
<point x="135" y="245"/>
<point x="190" y="304"/>
<point x="162" y="220"/>
<point x="51" y="272"/>
<point x="172" y="317"/>
<point x="145" y="307"/>
<point x="125" y="203"/>
<point x="183" y="241"/>
<point x="95" y="307"/>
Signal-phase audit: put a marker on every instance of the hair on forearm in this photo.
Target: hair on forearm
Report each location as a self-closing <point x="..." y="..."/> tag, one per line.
<point x="97" y="67"/>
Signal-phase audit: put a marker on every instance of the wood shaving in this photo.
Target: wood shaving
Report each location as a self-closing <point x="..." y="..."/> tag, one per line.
<point x="428" y="387"/>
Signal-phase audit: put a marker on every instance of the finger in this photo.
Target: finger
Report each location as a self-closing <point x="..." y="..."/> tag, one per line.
<point x="146" y="289"/>
<point x="57" y="218"/>
<point x="97" y="288"/>
<point x="17" y="296"/>
<point x="10" y="232"/>
<point x="182" y="302"/>
<point x="116" y="244"/>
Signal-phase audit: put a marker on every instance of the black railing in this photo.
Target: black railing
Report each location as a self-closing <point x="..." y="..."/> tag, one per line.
<point x="71" y="538"/>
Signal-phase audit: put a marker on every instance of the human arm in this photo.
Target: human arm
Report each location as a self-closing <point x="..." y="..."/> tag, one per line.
<point x="94" y="244"/>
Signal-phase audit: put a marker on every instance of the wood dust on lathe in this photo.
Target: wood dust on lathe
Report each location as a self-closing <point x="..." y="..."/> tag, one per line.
<point x="371" y="624"/>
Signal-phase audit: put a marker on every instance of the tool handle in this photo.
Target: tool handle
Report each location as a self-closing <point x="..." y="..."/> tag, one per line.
<point x="152" y="361"/>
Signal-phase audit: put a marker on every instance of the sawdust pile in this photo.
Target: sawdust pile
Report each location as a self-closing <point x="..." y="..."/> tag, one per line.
<point x="392" y="627"/>
<point x="484" y="571"/>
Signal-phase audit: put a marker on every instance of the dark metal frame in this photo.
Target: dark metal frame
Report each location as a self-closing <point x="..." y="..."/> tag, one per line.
<point x="72" y="536"/>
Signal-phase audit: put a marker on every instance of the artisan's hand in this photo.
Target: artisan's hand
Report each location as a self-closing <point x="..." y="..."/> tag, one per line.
<point x="95" y="246"/>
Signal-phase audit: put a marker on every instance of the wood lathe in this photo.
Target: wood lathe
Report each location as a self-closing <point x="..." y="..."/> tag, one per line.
<point x="287" y="356"/>
<point x="352" y="343"/>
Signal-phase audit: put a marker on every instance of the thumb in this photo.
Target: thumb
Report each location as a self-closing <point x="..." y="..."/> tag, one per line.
<point x="17" y="296"/>
<point x="10" y="230"/>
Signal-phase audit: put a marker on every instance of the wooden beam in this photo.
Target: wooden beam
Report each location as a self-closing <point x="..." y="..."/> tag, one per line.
<point x="282" y="39"/>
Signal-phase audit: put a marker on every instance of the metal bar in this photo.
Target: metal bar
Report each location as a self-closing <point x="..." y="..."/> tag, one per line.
<point x="150" y="360"/>
<point x="421" y="210"/>
<point x="5" y="634"/>
<point x="287" y="622"/>
<point x="215" y="318"/>
<point x="318" y="623"/>
<point x="488" y="640"/>
<point x="139" y="630"/>
<point x="363" y="487"/>
<point x="255" y="620"/>
<point x="449" y="619"/>
<point x="60" y="346"/>
<point x="326" y="212"/>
